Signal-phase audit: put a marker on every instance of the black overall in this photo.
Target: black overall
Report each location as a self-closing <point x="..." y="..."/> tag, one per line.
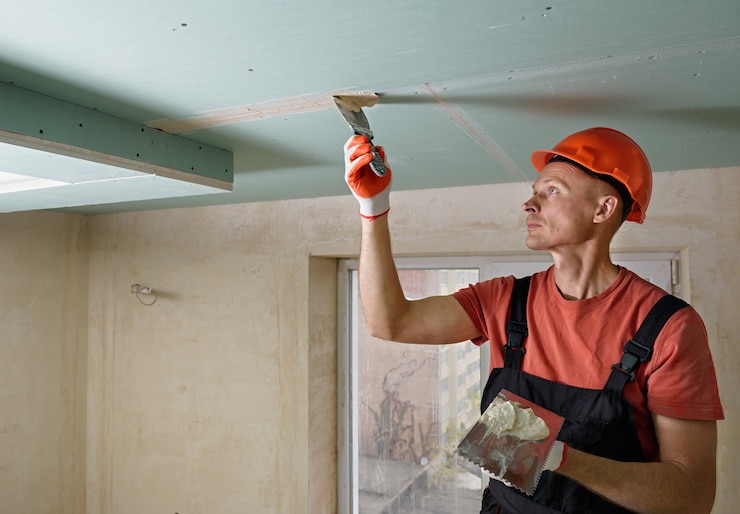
<point x="599" y="422"/>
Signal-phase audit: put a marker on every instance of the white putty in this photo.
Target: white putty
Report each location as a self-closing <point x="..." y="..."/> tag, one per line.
<point x="505" y="417"/>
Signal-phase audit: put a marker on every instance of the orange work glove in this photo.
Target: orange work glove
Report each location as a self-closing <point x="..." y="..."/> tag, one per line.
<point x="371" y="191"/>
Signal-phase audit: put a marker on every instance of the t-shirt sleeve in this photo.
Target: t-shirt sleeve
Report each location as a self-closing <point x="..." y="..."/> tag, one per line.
<point x="683" y="383"/>
<point x="487" y="305"/>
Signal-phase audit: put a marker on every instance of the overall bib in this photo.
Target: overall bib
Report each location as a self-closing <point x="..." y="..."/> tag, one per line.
<point x="599" y="422"/>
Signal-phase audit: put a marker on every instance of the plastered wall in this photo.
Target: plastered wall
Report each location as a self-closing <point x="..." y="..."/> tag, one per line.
<point x="221" y="396"/>
<point x="43" y="339"/>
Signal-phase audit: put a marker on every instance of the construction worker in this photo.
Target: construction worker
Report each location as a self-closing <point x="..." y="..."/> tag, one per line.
<point x="640" y="423"/>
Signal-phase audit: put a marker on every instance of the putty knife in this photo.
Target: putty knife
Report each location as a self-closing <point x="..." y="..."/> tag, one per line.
<point x="351" y="109"/>
<point x="516" y="462"/>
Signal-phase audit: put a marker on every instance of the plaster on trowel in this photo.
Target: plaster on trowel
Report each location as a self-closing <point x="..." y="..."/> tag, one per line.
<point x="513" y="460"/>
<point x="350" y="106"/>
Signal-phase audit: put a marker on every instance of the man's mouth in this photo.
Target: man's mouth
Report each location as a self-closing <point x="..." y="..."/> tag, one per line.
<point x="532" y="224"/>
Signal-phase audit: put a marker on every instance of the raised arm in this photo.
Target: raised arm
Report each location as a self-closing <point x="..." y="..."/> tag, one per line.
<point x="389" y="315"/>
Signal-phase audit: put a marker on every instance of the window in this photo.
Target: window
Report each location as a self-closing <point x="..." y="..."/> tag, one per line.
<point x="409" y="406"/>
<point x="405" y="407"/>
<point x="460" y="353"/>
<point x="460" y="380"/>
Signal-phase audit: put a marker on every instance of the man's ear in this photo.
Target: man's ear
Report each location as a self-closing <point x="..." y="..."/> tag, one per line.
<point x="607" y="208"/>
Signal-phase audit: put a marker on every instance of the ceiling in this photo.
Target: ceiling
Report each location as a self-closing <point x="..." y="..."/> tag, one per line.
<point x="467" y="89"/>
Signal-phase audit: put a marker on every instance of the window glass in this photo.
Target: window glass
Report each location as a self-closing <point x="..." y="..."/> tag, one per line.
<point x="414" y="403"/>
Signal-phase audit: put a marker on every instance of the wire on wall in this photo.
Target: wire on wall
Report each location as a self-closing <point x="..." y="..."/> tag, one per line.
<point x="139" y="290"/>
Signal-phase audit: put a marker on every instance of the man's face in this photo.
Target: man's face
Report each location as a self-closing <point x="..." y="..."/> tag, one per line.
<point x="561" y="211"/>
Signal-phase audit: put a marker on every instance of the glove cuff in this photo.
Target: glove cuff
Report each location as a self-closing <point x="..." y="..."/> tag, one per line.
<point x="373" y="218"/>
<point x="556" y="457"/>
<point x="375" y="206"/>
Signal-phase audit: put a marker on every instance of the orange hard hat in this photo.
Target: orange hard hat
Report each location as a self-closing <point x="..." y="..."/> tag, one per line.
<point x="606" y="151"/>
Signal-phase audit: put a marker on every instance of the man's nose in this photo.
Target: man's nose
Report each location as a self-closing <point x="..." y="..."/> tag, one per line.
<point x="530" y="205"/>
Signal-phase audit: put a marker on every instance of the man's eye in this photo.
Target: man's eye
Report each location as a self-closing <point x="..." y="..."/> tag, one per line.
<point x="552" y="190"/>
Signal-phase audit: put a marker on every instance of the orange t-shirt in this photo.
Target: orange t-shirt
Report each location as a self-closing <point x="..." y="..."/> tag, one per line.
<point x="576" y="343"/>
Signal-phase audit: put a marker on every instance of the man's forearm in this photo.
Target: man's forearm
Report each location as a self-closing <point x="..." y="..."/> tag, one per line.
<point x="647" y="488"/>
<point x="382" y="296"/>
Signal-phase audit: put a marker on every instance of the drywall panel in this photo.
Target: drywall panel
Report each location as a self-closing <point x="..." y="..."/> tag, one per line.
<point x="97" y="156"/>
<point x="467" y="91"/>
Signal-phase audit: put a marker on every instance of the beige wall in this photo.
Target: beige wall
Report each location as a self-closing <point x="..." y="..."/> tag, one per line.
<point x="221" y="396"/>
<point x="43" y="315"/>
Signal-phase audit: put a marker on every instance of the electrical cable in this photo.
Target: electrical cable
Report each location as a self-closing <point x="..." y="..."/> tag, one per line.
<point x="138" y="290"/>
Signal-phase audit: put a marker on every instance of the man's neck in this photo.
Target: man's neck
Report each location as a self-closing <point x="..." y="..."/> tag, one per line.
<point x="582" y="277"/>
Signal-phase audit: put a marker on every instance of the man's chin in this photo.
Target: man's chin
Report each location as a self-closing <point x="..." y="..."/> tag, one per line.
<point x="533" y="244"/>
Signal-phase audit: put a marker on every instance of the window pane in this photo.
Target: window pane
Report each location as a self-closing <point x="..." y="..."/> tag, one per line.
<point x="413" y="404"/>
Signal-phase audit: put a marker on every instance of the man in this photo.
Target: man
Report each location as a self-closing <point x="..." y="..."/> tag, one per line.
<point x="648" y="443"/>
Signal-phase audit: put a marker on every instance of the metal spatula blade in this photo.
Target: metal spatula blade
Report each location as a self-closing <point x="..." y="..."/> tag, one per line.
<point x="516" y="462"/>
<point x="359" y="124"/>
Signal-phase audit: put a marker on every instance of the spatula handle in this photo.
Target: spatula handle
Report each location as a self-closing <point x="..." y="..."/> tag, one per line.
<point x="377" y="164"/>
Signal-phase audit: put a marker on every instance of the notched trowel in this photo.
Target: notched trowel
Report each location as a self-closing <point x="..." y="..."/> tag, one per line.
<point x="350" y="106"/>
<point x="514" y="460"/>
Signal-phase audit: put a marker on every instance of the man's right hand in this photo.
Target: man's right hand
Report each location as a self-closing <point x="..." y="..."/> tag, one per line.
<point x="371" y="191"/>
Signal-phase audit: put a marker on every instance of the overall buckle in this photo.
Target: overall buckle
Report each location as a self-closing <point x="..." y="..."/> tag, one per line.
<point x="517" y="332"/>
<point x="634" y="353"/>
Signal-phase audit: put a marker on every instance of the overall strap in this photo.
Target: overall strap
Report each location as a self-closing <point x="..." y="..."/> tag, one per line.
<point x="640" y="348"/>
<point x="516" y="327"/>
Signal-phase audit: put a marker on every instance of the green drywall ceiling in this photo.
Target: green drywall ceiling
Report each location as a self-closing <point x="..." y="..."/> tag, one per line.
<point x="469" y="88"/>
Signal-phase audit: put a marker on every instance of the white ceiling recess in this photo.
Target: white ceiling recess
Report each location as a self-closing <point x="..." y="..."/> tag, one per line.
<point x="55" y="154"/>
